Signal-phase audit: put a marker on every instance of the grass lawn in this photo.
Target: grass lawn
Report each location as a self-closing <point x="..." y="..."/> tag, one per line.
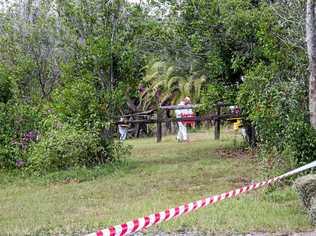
<point x="154" y="177"/>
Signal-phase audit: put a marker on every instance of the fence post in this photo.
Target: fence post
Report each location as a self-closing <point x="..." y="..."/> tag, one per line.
<point x="159" y="125"/>
<point x="217" y="130"/>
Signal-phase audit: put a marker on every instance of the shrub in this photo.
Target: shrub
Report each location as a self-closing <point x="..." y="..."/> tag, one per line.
<point x="276" y="104"/>
<point x="18" y="123"/>
<point x="76" y="103"/>
<point x="300" y="141"/>
<point x="9" y="156"/>
<point x="67" y="147"/>
<point x="215" y="93"/>
<point x="5" y="87"/>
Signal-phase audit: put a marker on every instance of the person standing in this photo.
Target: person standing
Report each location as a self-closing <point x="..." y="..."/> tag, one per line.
<point x="182" y="135"/>
<point x="123" y="128"/>
<point x="189" y="113"/>
<point x="182" y="129"/>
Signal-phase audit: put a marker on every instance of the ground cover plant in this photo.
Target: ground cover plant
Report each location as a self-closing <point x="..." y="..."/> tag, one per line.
<point x="154" y="177"/>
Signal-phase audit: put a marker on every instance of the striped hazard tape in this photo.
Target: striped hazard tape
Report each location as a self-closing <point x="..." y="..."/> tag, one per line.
<point x="154" y="219"/>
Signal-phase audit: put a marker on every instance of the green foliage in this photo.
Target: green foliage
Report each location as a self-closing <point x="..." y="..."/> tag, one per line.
<point x="76" y="102"/>
<point x="218" y="93"/>
<point x="164" y="84"/>
<point x="6" y="87"/>
<point x="220" y="38"/>
<point x="71" y="67"/>
<point x="300" y="141"/>
<point x="277" y="107"/>
<point x="68" y="147"/>
<point x="16" y="121"/>
<point x="9" y="154"/>
<point x="68" y="61"/>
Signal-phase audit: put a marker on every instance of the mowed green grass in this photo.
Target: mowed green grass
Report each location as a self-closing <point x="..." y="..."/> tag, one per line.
<point x="155" y="177"/>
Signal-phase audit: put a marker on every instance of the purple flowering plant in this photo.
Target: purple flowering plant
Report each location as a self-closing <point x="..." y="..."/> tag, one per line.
<point x="26" y="139"/>
<point x="19" y="163"/>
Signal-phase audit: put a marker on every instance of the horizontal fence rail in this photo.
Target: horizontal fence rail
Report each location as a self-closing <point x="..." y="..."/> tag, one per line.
<point x="196" y="118"/>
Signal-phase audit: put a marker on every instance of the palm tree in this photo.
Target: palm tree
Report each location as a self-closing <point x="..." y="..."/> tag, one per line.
<point x="163" y="85"/>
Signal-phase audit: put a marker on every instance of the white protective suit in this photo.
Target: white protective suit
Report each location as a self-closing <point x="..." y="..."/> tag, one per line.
<point x="182" y="132"/>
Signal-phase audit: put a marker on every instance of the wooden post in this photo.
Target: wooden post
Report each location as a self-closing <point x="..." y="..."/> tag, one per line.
<point x="159" y="125"/>
<point x="217" y="130"/>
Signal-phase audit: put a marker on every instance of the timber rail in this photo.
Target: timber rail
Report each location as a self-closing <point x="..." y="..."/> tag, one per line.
<point x="142" y="118"/>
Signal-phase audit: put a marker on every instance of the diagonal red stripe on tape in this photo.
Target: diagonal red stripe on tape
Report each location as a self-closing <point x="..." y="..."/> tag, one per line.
<point x="203" y="202"/>
<point x="157" y="218"/>
<point x="124" y="229"/>
<point x="194" y="206"/>
<point x="167" y="212"/>
<point x="112" y="231"/>
<point x="136" y="224"/>
<point x="186" y="208"/>
<point x="147" y="221"/>
<point x="211" y="200"/>
<point x="239" y="191"/>
<point x="176" y="211"/>
<point x="99" y="233"/>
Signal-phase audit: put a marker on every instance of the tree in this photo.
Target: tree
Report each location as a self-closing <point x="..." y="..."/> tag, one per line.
<point x="31" y="47"/>
<point x="163" y="83"/>
<point x="311" y="49"/>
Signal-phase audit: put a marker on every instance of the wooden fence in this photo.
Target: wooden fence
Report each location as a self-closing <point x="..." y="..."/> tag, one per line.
<point x="218" y="118"/>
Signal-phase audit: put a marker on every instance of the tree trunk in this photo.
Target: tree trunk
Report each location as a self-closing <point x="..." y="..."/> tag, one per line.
<point x="115" y="19"/>
<point x="311" y="50"/>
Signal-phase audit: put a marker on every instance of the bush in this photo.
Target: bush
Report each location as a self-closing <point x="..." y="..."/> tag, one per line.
<point x="63" y="148"/>
<point x="67" y="147"/>
<point x="276" y="104"/>
<point x="18" y="125"/>
<point x="40" y="142"/>
<point x="6" y="86"/>
<point x="300" y="141"/>
<point x="9" y="156"/>
<point x="76" y="103"/>
<point x="215" y="93"/>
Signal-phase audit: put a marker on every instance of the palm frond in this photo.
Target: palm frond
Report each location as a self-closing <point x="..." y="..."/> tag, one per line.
<point x="198" y="84"/>
<point x="188" y="88"/>
<point x="174" y="82"/>
<point x="182" y="84"/>
<point x="151" y="76"/>
<point x="170" y="72"/>
<point x="166" y="97"/>
<point x="158" y="85"/>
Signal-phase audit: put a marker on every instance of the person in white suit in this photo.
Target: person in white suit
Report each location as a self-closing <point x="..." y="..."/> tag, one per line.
<point x="182" y="135"/>
<point x="123" y="129"/>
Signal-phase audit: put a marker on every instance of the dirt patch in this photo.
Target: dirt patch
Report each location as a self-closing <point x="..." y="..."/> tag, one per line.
<point x="237" y="181"/>
<point x="236" y="153"/>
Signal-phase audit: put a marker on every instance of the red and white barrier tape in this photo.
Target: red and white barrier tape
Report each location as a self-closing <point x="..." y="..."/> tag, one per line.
<point x="154" y="219"/>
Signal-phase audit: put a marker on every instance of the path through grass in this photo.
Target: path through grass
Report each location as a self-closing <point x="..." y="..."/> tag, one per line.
<point x="156" y="177"/>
